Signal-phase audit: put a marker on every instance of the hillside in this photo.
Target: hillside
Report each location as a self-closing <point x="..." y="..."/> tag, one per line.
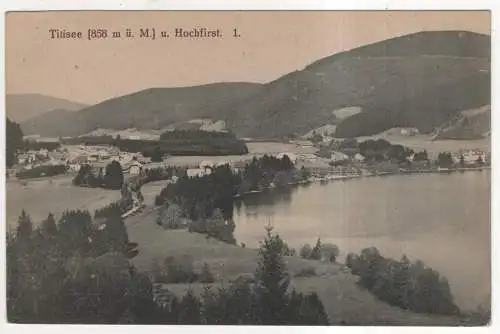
<point x="405" y="81"/>
<point x="153" y="108"/>
<point x="22" y="107"/>
<point x="420" y="80"/>
<point x="469" y="124"/>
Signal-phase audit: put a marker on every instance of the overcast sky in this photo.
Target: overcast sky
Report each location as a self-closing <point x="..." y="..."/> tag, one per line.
<point x="271" y="44"/>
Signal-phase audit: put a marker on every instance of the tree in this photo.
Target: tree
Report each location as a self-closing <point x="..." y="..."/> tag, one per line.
<point x="49" y="227"/>
<point x="114" y="175"/>
<point x="272" y="280"/>
<point x="316" y="138"/>
<point x="421" y="156"/>
<point x="206" y="275"/>
<point x="350" y="260"/>
<point x="316" y="253"/>
<point x="330" y="252"/>
<point x="170" y="216"/>
<point x="156" y="155"/>
<point x="445" y="160"/>
<point x="14" y="141"/>
<point x="24" y="227"/>
<point x="305" y="251"/>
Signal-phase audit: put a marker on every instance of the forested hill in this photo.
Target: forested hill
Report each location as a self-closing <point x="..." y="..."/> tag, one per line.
<point x="418" y="80"/>
<point x="153" y="108"/>
<point x="405" y="81"/>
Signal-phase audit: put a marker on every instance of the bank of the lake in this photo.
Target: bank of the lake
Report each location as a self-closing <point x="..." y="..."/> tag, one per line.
<point x="442" y="219"/>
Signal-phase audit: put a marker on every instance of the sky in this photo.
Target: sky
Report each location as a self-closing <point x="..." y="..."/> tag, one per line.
<point x="270" y="45"/>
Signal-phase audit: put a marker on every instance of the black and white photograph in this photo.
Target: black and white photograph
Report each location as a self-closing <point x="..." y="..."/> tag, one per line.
<point x="281" y="168"/>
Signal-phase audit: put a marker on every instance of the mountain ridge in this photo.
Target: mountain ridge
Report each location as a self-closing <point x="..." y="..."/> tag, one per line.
<point x="381" y="78"/>
<point x="22" y="107"/>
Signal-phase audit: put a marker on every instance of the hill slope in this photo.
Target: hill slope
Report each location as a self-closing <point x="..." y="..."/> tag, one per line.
<point x="153" y="108"/>
<point x="22" y="107"/>
<point x="419" y="80"/>
<point x="405" y="81"/>
<point x="469" y="124"/>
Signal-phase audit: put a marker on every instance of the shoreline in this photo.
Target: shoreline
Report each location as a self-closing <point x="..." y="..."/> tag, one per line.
<point x="333" y="177"/>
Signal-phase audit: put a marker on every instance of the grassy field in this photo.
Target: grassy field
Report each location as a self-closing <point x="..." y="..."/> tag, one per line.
<point x="433" y="147"/>
<point x="38" y="197"/>
<point x="343" y="299"/>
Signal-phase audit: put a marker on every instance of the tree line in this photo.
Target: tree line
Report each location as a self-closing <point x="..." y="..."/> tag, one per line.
<point x="408" y="285"/>
<point x="175" y="142"/>
<point x="78" y="271"/>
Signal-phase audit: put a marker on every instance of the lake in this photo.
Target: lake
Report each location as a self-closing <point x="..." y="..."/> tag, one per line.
<point x="441" y="219"/>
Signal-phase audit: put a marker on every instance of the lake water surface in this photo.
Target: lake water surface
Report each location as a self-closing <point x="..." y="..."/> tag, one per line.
<point x="441" y="219"/>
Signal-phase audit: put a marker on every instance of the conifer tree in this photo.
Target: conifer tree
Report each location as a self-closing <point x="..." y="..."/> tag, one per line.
<point x="24" y="227"/>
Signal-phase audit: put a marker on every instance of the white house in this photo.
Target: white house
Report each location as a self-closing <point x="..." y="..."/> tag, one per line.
<point x="238" y="166"/>
<point x="359" y="157"/>
<point x="293" y="157"/>
<point x="470" y="156"/>
<point x="135" y="168"/>
<point x="206" y="164"/>
<point x="338" y="156"/>
<point x="196" y="172"/>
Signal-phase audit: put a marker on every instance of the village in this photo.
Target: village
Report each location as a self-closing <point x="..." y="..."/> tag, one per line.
<point x="325" y="158"/>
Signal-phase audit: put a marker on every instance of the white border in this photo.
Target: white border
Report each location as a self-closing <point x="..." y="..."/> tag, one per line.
<point x="19" y="5"/>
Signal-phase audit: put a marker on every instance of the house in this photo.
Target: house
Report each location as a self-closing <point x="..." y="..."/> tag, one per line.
<point x="239" y="166"/>
<point x="409" y="131"/>
<point x="205" y="165"/>
<point x="23" y="159"/>
<point x="197" y="172"/>
<point x="291" y="156"/>
<point x="469" y="157"/>
<point x="338" y="156"/>
<point x="359" y="157"/>
<point x="135" y="168"/>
